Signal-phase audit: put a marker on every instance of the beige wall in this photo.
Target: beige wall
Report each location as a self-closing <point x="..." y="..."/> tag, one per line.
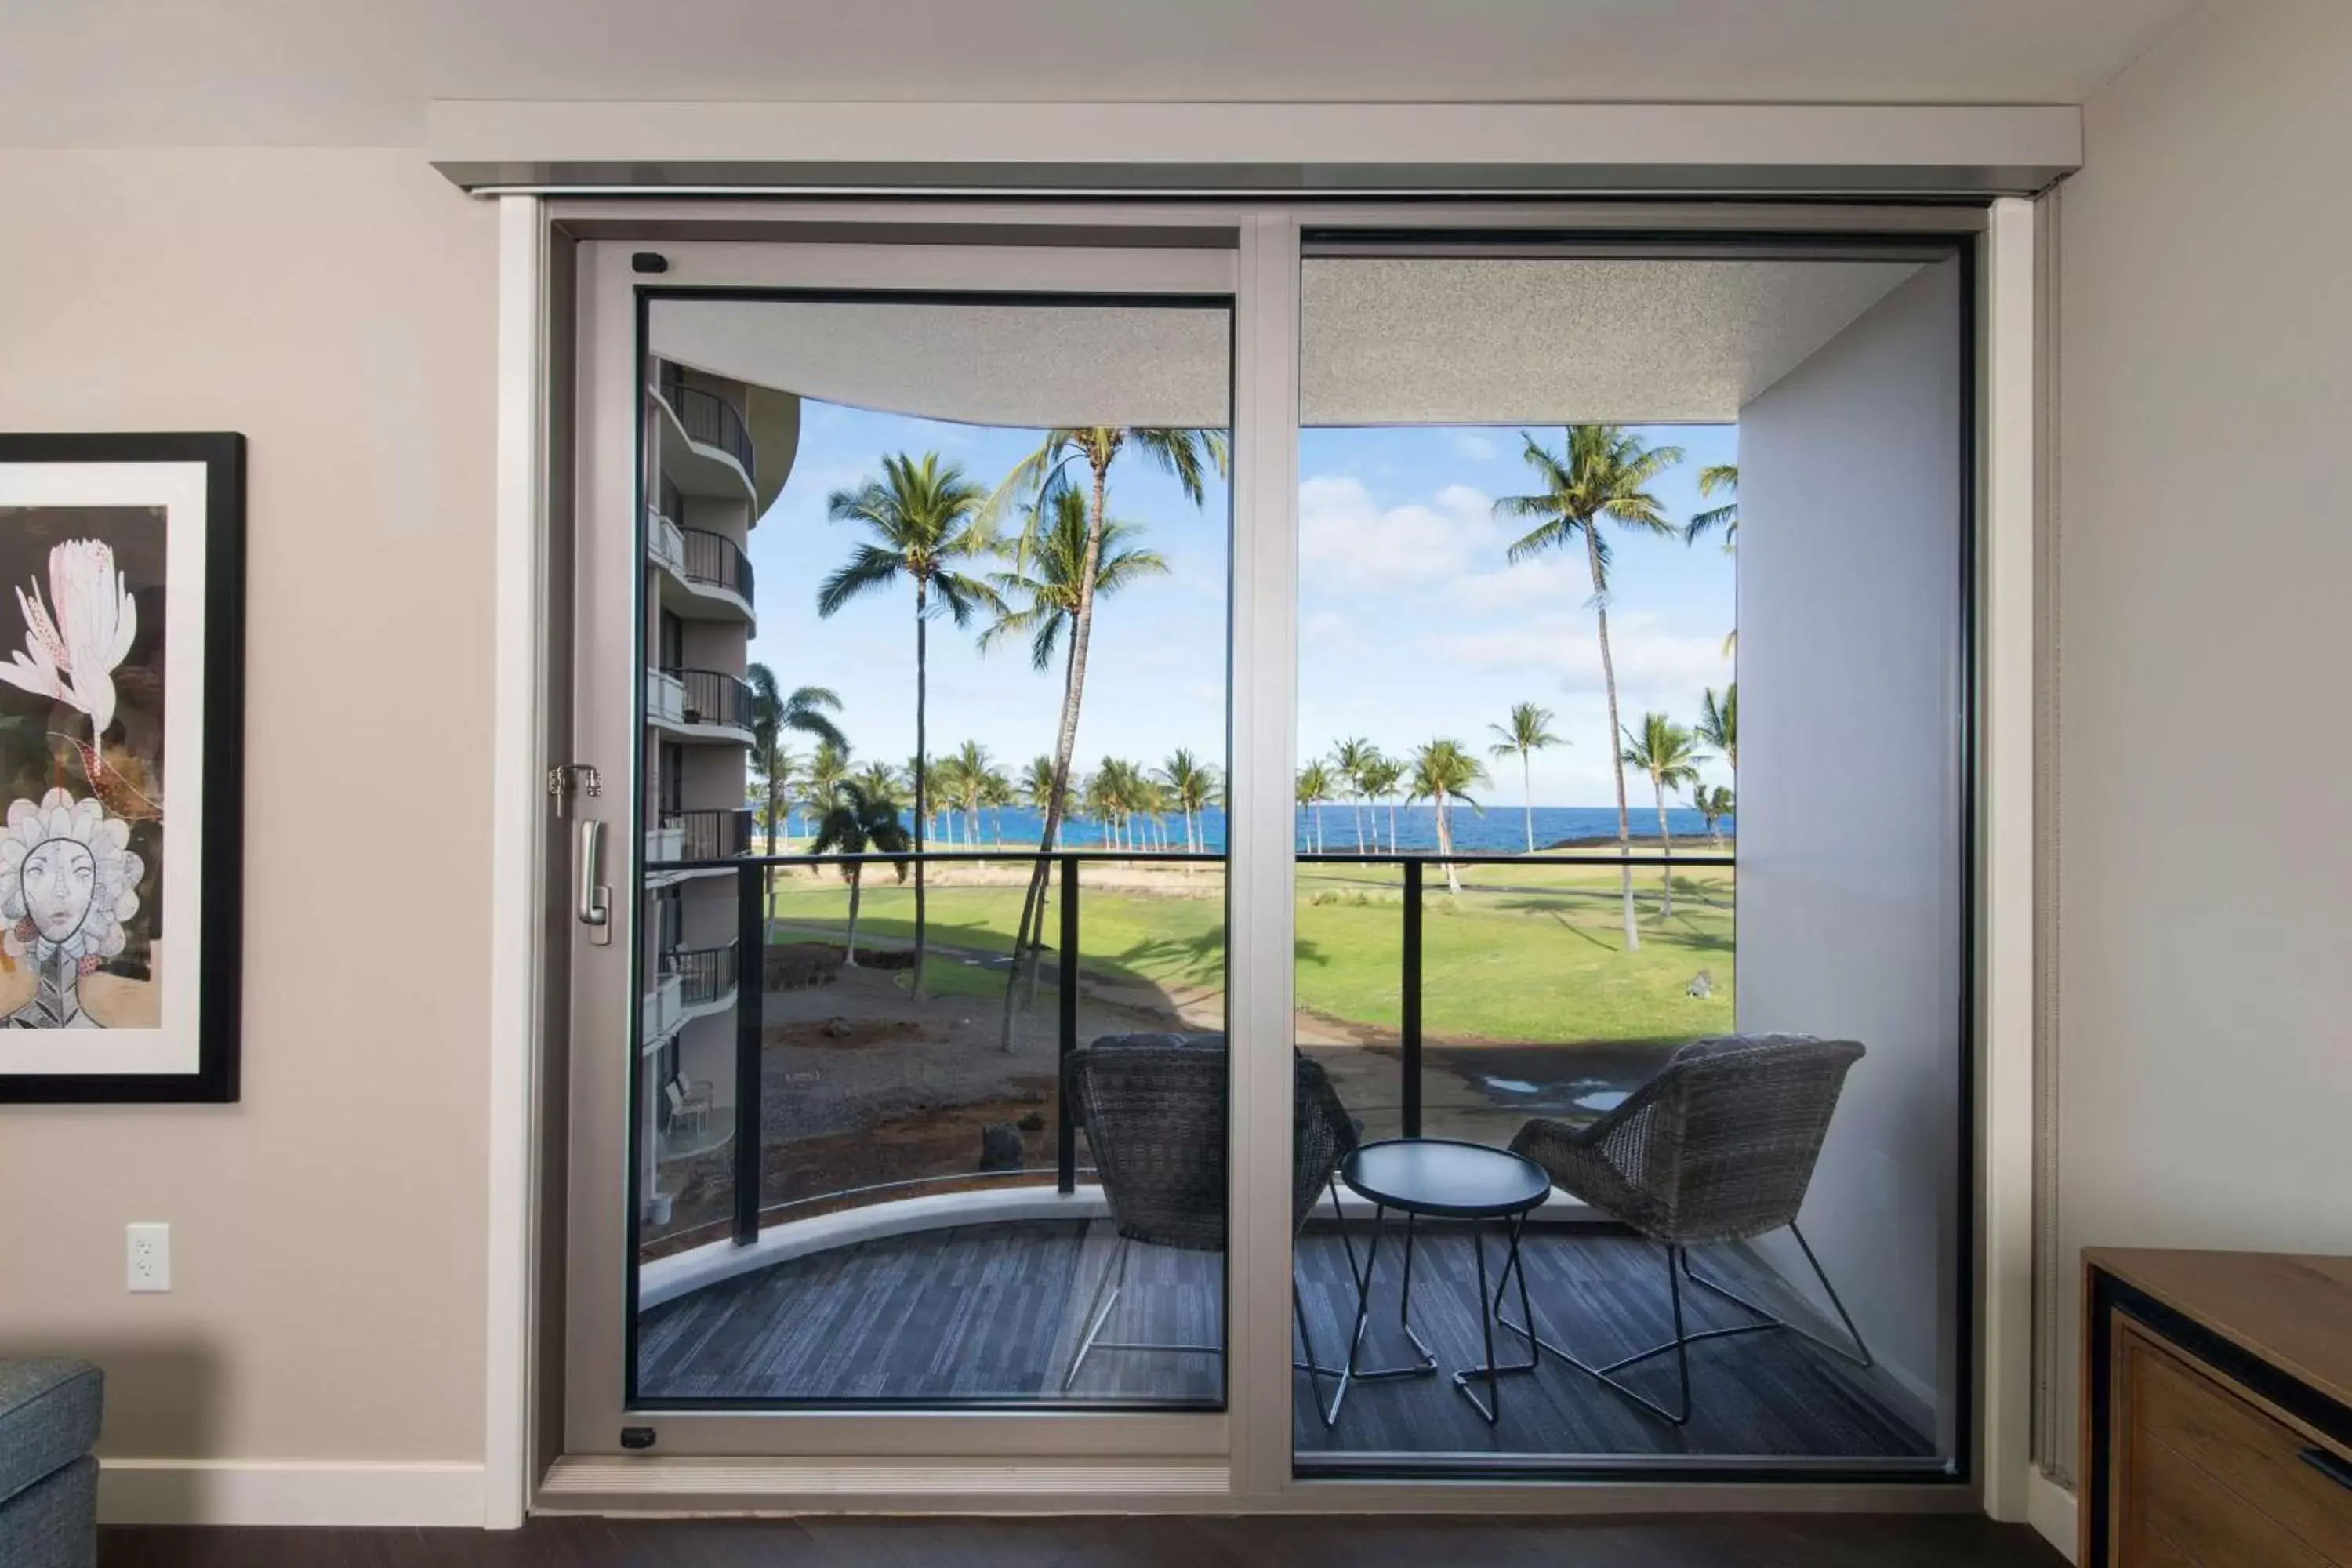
<point x="328" y="1232"/>
<point x="2205" y="1036"/>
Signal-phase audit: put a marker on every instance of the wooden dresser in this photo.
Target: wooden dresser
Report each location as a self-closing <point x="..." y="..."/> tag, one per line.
<point x="2218" y="1403"/>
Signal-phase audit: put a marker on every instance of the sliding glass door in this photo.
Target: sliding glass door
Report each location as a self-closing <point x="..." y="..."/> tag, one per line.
<point x="1161" y="867"/>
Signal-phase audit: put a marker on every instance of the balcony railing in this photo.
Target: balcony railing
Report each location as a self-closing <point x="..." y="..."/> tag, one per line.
<point x="664" y="697"/>
<point x="665" y="541"/>
<point x="715" y="560"/>
<point x="707" y="418"/>
<point x="713" y="697"/>
<point x="979" y="942"/>
<point x="705" y="975"/>
<point x="709" y="835"/>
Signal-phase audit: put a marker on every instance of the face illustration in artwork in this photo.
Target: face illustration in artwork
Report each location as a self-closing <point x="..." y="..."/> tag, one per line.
<point x="60" y="877"/>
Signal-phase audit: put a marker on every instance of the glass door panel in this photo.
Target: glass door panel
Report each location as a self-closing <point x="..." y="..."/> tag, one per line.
<point x="1536" y="868"/>
<point x="928" y="909"/>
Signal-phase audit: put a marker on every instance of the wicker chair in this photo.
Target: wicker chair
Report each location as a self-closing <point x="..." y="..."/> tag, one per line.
<point x="1154" y="1108"/>
<point x="1720" y="1146"/>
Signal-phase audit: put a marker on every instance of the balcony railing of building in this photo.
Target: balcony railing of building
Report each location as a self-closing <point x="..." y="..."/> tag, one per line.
<point x="716" y="561"/>
<point x="713" y="697"/>
<point x="709" y="835"/>
<point x="705" y="975"/>
<point x="1062" y="962"/>
<point x="707" y="418"/>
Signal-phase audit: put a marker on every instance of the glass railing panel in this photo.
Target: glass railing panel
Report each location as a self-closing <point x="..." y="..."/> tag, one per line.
<point x="1348" y="985"/>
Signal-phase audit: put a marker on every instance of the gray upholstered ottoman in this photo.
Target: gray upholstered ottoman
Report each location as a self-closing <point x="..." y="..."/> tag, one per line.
<point x="48" y="1482"/>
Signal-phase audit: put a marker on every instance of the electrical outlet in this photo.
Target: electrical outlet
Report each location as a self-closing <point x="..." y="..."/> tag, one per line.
<point x="150" y="1259"/>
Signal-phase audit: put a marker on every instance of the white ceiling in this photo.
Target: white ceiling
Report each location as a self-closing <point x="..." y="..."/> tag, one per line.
<point x="360" y="72"/>
<point x="1451" y="340"/>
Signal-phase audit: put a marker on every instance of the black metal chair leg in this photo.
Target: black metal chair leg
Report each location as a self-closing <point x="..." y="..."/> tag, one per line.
<point x="1679" y="1345"/>
<point x="1857" y="1355"/>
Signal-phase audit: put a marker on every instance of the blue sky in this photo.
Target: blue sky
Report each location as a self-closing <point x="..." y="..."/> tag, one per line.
<point x="1412" y="626"/>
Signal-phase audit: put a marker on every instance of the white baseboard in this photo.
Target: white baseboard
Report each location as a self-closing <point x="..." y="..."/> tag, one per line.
<point x="263" y="1491"/>
<point x="2050" y="1509"/>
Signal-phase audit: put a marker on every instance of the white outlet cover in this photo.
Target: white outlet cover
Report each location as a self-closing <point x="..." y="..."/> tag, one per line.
<point x="148" y="1260"/>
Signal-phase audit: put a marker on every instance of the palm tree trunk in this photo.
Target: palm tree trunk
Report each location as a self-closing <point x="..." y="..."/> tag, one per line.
<point x="1528" y="798"/>
<point x="922" y="676"/>
<point x="1393" y="831"/>
<point x="1446" y="848"/>
<point x="1066" y="742"/>
<point x="849" y="944"/>
<point x="1616" y="734"/>
<point x="1666" y="840"/>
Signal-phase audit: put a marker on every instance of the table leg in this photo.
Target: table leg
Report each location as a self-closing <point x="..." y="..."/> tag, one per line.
<point x="1354" y="1372"/>
<point x="1491" y="1373"/>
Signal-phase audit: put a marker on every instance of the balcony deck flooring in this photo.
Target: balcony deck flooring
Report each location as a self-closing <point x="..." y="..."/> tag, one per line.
<point x="993" y="1312"/>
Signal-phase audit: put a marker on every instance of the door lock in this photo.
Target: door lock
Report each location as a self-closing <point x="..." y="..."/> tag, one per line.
<point x="562" y="779"/>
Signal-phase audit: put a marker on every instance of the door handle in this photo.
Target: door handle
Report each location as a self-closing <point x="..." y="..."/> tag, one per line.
<point x="595" y="910"/>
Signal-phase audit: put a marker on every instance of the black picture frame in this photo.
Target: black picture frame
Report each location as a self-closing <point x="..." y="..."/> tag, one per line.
<point x="220" y="831"/>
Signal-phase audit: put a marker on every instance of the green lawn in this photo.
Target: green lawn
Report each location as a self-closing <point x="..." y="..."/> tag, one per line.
<point x="1524" y="952"/>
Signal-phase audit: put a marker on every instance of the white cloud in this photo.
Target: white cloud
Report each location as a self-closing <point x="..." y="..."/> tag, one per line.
<point x="1345" y="541"/>
<point x="1654" y="666"/>
<point x="1477" y="449"/>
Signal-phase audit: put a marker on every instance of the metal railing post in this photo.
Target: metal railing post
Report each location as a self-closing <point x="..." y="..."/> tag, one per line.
<point x="1411" y="1064"/>
<point x="750" y="995"/>
<point x="1066" y="1148"/>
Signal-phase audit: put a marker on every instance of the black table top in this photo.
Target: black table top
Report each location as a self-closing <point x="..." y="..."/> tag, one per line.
<point x="1445" y="1178"/>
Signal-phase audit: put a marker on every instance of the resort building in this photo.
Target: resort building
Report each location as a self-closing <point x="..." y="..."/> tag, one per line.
<point x="716" y="452"/>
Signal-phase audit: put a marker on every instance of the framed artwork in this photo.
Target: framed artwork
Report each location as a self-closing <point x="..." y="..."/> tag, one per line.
<point x="122" y="766"/>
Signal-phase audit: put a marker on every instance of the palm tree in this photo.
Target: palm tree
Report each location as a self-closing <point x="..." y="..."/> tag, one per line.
<point x="995" y="795"/>
<point x="826" y="772"/>
<point x="1036" y="786"/>
<point x="774" y="711"/>
<point x="1724" y="477"/>
<point x="1528" y="731"/>
<point x="1670" y="755"/>
<point x="1603" y="474"/>
<point x="1038" y="482"/>
<point x="1442" y="773"/>
<point x="924" y="517"/>
<point x="1380" y="781"/>
<point x="1712" y="806"/>
<point x="882" y="782"/>
<point x="1718" y="723"/>
<point x="954" y="788"/>
<point x="1716" y="476"/>
<point x="1314" y="789"/>
<point x="859" y="822"/>
<point x="1192" y="784"/>
<point x="1349" y="759"/>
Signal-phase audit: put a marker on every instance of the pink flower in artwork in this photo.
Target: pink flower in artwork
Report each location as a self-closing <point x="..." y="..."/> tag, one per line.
<point x="71" y="656"/>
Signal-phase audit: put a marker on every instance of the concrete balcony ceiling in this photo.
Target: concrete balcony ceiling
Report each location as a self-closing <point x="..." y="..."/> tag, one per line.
<point x="1385" y="341"/>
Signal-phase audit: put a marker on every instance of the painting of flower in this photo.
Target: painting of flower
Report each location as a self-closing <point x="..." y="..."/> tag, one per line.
<point x="120" y="645"/>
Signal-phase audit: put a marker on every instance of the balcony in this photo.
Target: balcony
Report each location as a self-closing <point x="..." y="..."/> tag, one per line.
<point x="704" y="576"/>
<point x="705" y="706"/>
<point x="687" y="837"/>
<point x="873" y="1172"/>
<point x="665" y="700"/>
<point x="706" y="978"/>
<point x="706" y="447"/>
<point x="663" y="1011"/>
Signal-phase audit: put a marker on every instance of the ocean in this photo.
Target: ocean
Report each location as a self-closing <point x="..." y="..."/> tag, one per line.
<point x="1498" y="832"/>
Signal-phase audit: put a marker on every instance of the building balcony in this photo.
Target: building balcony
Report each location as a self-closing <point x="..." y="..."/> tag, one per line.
<point x="703" y="576"/>
<point x="700" y="706"/>
<point x="665" y="1009"/>
<point x="692" y="836"/>
<point x="706" y="978"/>
<point x="706" y="447"/>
